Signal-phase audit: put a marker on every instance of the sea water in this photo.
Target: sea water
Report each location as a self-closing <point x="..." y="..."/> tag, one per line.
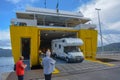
<point x="6" y="65"/>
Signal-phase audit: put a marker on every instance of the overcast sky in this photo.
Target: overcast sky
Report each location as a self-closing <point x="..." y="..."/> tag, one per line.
<point x="109" y="15"/>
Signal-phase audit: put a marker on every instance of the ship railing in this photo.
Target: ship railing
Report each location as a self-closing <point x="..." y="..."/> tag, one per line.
<point x="42" y="26"/>
<point x="23" y="22"/>
<point x="85" y="26"/>
<point x="109" y="53"/>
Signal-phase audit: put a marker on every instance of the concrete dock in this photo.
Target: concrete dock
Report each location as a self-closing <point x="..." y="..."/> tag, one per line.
<point x="107" y="67"/>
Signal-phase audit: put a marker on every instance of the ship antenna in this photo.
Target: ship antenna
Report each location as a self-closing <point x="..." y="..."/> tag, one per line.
<point x="45" y="3"/>
<point x="57" y="5"/>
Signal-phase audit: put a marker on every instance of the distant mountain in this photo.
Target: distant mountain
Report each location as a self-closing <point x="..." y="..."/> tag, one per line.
<point x="5" y="52"/>
<point x="111" y="47"/>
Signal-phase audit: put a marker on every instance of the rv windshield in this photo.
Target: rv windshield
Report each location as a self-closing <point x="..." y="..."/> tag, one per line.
<point x="71" y="49"/>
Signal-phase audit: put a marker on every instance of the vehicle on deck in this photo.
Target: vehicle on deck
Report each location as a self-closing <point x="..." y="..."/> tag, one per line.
<point x="68" y="49"/>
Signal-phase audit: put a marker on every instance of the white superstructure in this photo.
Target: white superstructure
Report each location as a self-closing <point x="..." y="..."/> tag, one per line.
<point x="41" y="17"/>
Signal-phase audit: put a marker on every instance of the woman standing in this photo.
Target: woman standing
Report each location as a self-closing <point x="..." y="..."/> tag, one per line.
<point x="48" y="65"/>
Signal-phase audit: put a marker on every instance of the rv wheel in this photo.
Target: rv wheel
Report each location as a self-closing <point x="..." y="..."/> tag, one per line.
<point x="55" y="56"/>
<point x="81" y="60"/>
<point x="67" y="60"/>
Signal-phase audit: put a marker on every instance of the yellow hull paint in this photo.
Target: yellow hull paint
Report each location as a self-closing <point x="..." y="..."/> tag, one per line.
<point x="89" y="46"/>
<point x="25" y="32"/>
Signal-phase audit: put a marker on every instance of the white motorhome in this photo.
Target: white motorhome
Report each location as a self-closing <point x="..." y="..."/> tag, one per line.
<point x="68" y="49"/>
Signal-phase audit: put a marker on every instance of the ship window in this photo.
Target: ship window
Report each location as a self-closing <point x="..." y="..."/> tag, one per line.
<point x="59" y="46"/>
<point x="21" y="24"/>
<point x="63" y="40"/>
<point x="55" y="45"/>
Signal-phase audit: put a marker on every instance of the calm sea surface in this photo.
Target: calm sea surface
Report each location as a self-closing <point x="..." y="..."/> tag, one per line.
<point x="6" y="65"/>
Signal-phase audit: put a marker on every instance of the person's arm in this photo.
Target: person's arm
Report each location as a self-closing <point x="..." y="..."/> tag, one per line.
<point x="23" y="65"/>
<point x="42" y="63"/>
<point x="52" y="61"/>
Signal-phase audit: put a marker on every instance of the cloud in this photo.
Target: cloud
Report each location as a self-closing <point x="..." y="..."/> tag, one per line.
<point x="114" y="32"/>
<point x="109" y="17"/>
<point x="115" y="25"/>
<point x="5" y="39"/>
<point x="4" y="34"/>
<point x="111" y="38"/>
<point x="5" y="44"/>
